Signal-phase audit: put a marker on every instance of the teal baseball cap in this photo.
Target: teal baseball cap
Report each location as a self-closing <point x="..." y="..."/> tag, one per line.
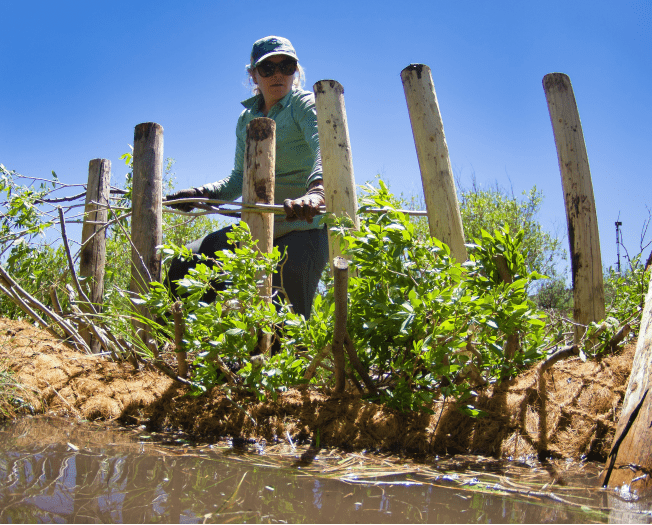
<point x="271" y="46"/>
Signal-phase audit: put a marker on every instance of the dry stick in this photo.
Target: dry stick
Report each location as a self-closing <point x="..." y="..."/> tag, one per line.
<point x="558" y="356"/>
<point x="71" y="264"/>
<point x="60" y="199"/>
<point x="87" y="303"/>
<point x="67" y="327"/>
<point x="316" y="361"/>
<point x="179" y="329"/>
<point x="22" y="305"/>
<point x="127" y="236"/>
<point x="96" y="331"/>
<point x="55" y="300"/>
<point x="230" y="376"/>
<point x="160" y="365"/>
<point x="340" y="269"/>
<point x="355" y="361"/>
<point x="619" y="336"/>
<point x="104" y="225"/>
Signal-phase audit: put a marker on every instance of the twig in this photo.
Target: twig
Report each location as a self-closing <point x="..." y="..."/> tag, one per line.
<point x="15" y="298"/>
<point x="159" y="365"/>
<point x="97" y="332"/>
<point x="60" y="199"/>
<point x="67" y="328"/>
<point x="55" y="299"/>
<point x="71" y="264"/>
<point x="316" y="361"/>
<point x="230" y="377"/>
<point x="355" y="361"/>
<point x="179" y="329"/>
<point x="619" y="337"/>
<point x="559" y="355"/>
<point x="133" y="246"/>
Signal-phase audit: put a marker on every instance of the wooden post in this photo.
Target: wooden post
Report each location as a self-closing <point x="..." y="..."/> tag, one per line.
<point x="337" y="164"/>
<point x="258" y="188"/>
<point x="630" y="457"/>
<point x="146" y="220"/>
<point x="341" y="296"/>
<point x="93" y="251"/>
<point x="444" y="218"/>
<point x="581" y="217"/>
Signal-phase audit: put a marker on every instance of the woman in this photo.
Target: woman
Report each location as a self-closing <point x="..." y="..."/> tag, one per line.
<point x="277" y="77"/>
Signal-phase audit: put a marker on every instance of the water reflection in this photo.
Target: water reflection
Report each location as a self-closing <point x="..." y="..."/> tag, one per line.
<point x="60" y="471"/>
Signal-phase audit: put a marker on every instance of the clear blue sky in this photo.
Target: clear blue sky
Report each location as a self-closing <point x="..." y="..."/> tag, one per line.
<point x="78" y="76"/>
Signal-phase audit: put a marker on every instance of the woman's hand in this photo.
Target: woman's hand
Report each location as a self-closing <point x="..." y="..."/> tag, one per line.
<point x="189" y="193"/>
<point x="305" y="208"/>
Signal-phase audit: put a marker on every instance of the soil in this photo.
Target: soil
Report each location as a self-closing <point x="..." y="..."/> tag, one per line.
<point x="571" y="413"/>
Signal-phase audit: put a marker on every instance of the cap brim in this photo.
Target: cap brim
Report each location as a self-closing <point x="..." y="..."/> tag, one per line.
<point x="273" y="54"/>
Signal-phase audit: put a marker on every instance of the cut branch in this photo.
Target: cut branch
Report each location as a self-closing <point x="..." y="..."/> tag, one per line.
<point x="179" y="329"/>
<point x="341" y="275"/>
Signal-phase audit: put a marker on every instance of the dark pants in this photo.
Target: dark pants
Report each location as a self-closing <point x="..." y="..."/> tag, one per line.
<point x="307" y="254"/>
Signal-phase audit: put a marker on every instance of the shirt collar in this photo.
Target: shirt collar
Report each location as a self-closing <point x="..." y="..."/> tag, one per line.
<point x="254" y="102"/>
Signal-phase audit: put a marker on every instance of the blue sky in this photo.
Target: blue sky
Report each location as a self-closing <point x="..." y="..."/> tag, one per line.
<point x="78" y="76"/>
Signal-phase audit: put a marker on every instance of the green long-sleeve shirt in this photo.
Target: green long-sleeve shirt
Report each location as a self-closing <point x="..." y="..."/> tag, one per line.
<point x="298" y="160"/>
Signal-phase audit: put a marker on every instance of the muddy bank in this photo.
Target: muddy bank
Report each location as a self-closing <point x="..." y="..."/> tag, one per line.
<point x="573" y="413"/>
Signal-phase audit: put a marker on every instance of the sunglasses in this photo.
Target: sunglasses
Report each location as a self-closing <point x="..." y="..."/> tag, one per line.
<point x="267" y="69"/>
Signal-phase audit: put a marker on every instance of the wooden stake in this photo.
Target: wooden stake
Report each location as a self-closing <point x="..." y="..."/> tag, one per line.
<point x="258" y="188"/>
<point x="581" y="216"/>
<point x="179" y="329"/>
<point x="630" y="457"/>
<point x="337" y="164"/>
<point x="444" y="218"/>
<point x="146" y="221"/>
<point x="340" y="290"/>
<point x="93" y="251"/>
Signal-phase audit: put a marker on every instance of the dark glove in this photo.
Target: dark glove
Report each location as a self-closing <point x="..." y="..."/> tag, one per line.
<point x="184" y="194"/>
<point x="305" y="208"/>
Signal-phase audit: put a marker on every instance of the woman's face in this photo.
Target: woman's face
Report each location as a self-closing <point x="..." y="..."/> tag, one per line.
<point x="275" y="87"/>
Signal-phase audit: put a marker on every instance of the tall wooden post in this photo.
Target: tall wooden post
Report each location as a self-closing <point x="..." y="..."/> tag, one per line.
<point x="93" y="251"/>
<point x="444" y="218"/>
<point x="146" y="220"/>
<point x="258" y="188"/>
<point x="581" y="216"/>
<point x="337" y="164"/>
<point x="630" y="459"/>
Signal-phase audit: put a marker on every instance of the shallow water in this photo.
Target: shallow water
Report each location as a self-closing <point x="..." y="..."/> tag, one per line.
<point x="63" y="471"/>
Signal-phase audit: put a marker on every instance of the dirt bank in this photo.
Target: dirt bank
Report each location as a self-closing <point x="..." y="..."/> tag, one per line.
<point x="573" y="414"/>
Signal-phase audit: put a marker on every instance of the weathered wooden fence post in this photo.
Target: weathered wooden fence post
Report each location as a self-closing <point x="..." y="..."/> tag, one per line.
<point x="581" y="216"/>
<point x="630" y="459"/>
<point x="337" y="164"/>
<point x="146" y="220"/>
<point x="258" y="188"/>
<point x="93" y="251"/>
<point x="444" y="218"/>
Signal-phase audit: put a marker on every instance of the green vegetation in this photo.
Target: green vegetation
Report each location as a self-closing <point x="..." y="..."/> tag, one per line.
<point x="423" y="325"/>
